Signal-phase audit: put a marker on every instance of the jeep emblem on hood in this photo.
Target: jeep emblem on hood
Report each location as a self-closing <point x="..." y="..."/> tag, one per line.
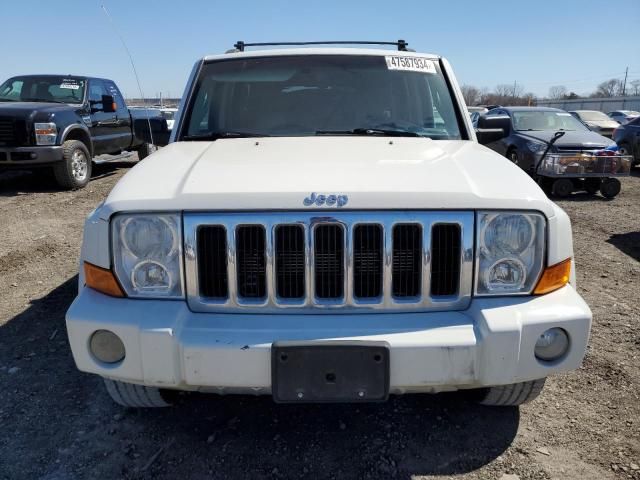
<point x="328" y="200"/>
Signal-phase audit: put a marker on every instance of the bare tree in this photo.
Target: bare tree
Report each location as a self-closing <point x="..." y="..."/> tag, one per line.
<point x="634" y="87"/>
<point x="557" y="92"/>
<point x="470" y="94"/>
<point x="610" y="88"/>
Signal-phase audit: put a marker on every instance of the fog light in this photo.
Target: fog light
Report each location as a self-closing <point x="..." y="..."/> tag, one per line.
<point x="106" y="346"/>
<point x="552" y="344"/>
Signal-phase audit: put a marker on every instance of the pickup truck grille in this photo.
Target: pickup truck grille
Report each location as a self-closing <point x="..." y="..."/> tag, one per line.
<point x="7" y="132"/>
<point x="368" y="261"/>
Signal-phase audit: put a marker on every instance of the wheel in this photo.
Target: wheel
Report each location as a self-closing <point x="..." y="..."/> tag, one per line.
<point x="145" y="150"/>
<point x="562" y="187"/>
<point x="74" y="171"/>
<point x="135" y="396"/>
<point x="592" y="185"/>
<point x="623" y="149"/>
<point x="610" y="187"/>
<point x="513" y="394"/>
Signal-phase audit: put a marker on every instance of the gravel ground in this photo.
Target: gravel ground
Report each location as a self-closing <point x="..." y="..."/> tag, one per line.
<point x="57" y="423"/>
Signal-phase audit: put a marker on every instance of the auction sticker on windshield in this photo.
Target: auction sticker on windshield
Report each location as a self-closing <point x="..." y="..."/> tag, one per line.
<point x="411" y="64"/>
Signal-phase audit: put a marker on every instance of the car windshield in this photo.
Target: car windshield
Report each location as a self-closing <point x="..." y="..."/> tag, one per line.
<point x="34" y="88"/>
<point x="630" y="113"/>
<point x="545" y="120"/>
<point x="303" y="95"/>
<point x="593" y="116"/>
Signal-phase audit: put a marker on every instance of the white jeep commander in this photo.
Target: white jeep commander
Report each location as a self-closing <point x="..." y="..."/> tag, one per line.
<point x="325" y="227"/>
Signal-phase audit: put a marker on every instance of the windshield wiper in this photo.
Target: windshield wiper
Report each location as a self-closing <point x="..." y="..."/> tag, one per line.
<point x="218" y="135"/>
<point x="370" y="131"/>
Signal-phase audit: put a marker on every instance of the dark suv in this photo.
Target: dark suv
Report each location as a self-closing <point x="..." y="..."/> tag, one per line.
<point x="528" y="129"/>
<point x="628" y="139"/>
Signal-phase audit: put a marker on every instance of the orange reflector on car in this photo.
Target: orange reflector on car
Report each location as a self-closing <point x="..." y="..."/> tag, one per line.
<point x="102" y="280"/>
<point x="554" y="277"/>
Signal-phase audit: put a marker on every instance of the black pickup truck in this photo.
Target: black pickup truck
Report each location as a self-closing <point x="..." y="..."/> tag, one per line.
<point x="62" y="122"/>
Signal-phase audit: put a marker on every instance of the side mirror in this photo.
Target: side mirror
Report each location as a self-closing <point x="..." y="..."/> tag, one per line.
<point x="152" y="130"/>
<point x="492" y="128"/>
<point x="108" y="105"/>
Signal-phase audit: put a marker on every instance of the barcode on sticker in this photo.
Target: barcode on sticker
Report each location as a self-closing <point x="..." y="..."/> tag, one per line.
<point x="411" y="64"/>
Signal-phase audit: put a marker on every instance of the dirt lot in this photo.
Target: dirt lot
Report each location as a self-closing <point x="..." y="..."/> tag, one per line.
<point x="57" y="423"/>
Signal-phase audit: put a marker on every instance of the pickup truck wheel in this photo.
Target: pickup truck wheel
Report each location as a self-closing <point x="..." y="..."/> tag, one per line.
<point x="610" y="187"/>
<point x="75" y="169"/>
<point x="513" y="394"/>
<point x="135" y="396"/>
<point x="145" y="150"/>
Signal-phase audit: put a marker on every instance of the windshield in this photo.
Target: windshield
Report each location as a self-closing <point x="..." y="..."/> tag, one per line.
<point x="630" y="113"/>
<point x="545" y="120"/>
<point x="322" y="94"/>
<point x="593" y="116"/>
<point x="43" y="89"/>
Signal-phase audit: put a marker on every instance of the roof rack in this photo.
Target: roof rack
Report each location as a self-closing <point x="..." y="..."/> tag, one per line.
<point x="401" y="44"/>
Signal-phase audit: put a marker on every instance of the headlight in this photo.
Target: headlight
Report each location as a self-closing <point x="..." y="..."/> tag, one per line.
<point x="510" y="252"/>
<point x="147" y="254"/>
<point x="536" y="147"/>
<point x="46" y="133"/>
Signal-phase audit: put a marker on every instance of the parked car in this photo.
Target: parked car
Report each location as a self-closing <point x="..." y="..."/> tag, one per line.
<point x="61" y="122"/>
<point x="596" y="121"/>
<point x="628" y="139"/>
<point x="416" y="260"/>
<point x="528" y="129"/>
<point x="624" y="116"/>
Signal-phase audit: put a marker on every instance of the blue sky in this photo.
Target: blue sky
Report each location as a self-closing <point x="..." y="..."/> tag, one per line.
<point x="576" y="43"/>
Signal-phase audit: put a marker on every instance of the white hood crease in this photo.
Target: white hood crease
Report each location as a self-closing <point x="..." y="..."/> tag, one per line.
<point x="277" y="173"/>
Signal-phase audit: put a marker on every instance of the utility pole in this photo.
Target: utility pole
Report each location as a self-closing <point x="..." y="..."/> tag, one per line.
<point x="514" y="90"/>
<point x="624" y="85"/>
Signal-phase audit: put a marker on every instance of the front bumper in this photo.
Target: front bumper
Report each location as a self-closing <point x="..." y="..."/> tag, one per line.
<point x="34" y="155"/>
<point x="168" y="346"/>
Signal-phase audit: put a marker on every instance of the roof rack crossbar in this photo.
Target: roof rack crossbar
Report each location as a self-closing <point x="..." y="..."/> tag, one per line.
<point x="401" y="44"/>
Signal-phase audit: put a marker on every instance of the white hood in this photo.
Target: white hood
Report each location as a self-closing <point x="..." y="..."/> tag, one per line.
<point x="277" y="173"/>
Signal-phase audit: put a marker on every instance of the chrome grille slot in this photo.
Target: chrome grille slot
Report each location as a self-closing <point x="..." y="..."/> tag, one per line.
<point x="290" y="261"/>
<point x="329" y="261"/>
<point x="251" y="264"/>
<point x="367" y="261"/>
<point x="212" y="256"/>
<point x="445" y="259"/>
<point x="407" y="264"/>
<point x="361" y="262"/>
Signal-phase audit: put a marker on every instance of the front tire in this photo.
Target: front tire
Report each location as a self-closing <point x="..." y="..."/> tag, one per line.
<point x="512" y="395"/>
<point x="512" y="155"/>
<point x="75" y="169"/>
<point x="134" y="396"/>
<point x="610" y="187"/>
<point x="562" y="187"/>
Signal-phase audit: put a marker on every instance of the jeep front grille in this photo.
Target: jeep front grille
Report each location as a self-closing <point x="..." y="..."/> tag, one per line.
<point x="351" y="261"/>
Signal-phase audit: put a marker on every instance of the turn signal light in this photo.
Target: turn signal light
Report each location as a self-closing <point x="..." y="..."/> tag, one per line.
<point x="554" y="277"/>
<point x="102" y="280"/>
